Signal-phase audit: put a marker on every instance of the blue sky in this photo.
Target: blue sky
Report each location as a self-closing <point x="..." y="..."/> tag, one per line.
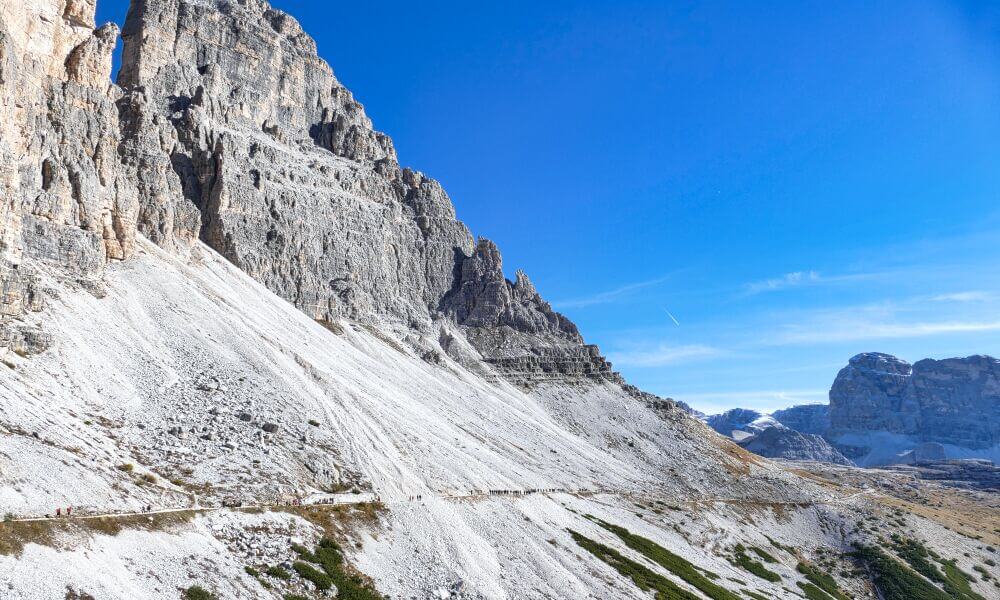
<point x="732" y="199"/>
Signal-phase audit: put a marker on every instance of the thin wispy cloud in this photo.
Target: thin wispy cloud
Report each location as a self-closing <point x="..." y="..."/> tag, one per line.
<point x="785" y="281"/>
<point x="662" y="355"/>
<point x="861" y="330"/>
<point x="800" y="279"/>
<point x="965" y="297"/>
<point x="762" y="400"/>
<point x="611" y="295"/>
<point x="905" y="318"/>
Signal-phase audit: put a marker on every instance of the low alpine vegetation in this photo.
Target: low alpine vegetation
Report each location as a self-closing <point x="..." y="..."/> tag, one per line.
<point x="894" y="580"/>
<point x="764" y="555"/>
<point x="328" y="555"/>
<point x="196" y="592"/>
<point x="310" y="573"/>
<point x="743" y="560"/>
<point x="954" y="581"/>
<point x="821" y="580"/>
<point x="643" y="577"/>
<point x="278" y="573"/>
<point x="669" y="561"/>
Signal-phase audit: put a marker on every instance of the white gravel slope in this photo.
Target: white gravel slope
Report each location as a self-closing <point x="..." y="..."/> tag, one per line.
<point x="206" y="382"/>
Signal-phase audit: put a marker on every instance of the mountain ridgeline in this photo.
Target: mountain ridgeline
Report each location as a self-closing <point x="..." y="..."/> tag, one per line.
<point x="227" y="127"/>
<point x="244" y="353"/>
<point x="884" y="410"/>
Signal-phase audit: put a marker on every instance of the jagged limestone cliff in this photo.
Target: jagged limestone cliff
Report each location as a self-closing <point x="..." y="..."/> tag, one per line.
<point x="172" y="379"/>
<point x="881" y="405"/>
<point x="238" y="134"/>
<point x="66" y="207"/>
<point x="228" y="128"/>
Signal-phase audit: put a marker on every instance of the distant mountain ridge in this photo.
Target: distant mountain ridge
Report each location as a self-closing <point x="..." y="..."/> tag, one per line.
<point x="882" y="406"/>
<point x="766" y="436"/>
<point x="883" y="410"/>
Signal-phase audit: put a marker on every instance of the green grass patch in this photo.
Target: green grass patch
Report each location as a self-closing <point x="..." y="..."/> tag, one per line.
<point x="755" y="595"/>
<point x="957" y="582"/>
<point x="310" y="573"/>
<point x="781" y="546"/>
<point x="742" y="559"/>
<point x="766" y="557"/>
<point x="669" y="561"/>
<point x="812" y="592"/>
<point x="350" y="585"/>
<point x="303" y="552"/>
<point x="918" y="557"/>
<point x="822" y="580"/>
<point x="196" y="592"/>
<point x="278" y="573"/>
<point x="644" y="578"/>
<point x="894" y="580"/>
<point x="954" y="581"/>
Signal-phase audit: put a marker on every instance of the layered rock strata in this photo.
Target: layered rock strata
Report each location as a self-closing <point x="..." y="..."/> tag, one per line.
<point x="805" y="418"/>
<point x="67" y="206"/>
<point x="228" y="128"/>
<point x="954" y="402"/>
<point x="242" y="137"/>
<point x="788" y="444"/>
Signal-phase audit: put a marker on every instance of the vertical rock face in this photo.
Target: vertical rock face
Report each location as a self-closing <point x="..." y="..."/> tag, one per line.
<point x="781" y="442"/>
<point x="954" y="401"/>
<point x="737" y="419"/>
<point x="243" y="137"/>
<point x="805" y="418"/>
<point x="239" y="134"/>
<point x="514" y="328"/>
<point x="65" y="209"/>
<point x="228" y="128"/>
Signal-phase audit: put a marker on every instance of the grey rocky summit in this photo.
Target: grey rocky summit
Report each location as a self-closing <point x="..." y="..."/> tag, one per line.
<point x="66" y="206"/>
<point x="737" y="420"/>
<point x="288" y="179"/>
<point x="763" y="435"/>
<point x="805" y="418"/>
<point x="785" y="443"/>
<point x="880" y="400"/>
<point x="227" y="127"/>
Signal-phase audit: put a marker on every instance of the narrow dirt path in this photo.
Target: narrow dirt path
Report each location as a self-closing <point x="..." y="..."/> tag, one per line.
<point x="366" y="498"/>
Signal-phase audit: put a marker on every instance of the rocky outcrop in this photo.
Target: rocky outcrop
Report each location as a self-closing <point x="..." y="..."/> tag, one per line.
<point x="228" y="128"/>
<point x="972" y="474"/>
<point x="738" y="421"/>
<point x="805" y="418"/>
<point x="514" y="328"/>
<point x="66" y="208"/>
<point x="953" y="402"/>
<point x="784" y="443"/>
<point x="763" y="435"/>
<point x="239" y="135"/>
<point x="259" y="151"/>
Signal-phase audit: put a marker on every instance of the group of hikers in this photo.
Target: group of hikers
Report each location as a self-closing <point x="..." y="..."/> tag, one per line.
<point x="68" y="511"/>
<point x="524" y="492"/>
<point x="148" y="508"/>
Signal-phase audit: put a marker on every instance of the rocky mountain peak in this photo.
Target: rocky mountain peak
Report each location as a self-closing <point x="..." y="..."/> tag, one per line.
<point x="877" y="362"/>
<point x="805" y="418"/>
<point x="67" y="207"/>
<point x="954" y="402"/>
<point x="781" y="442"/>
<point x="229" y="129"/>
